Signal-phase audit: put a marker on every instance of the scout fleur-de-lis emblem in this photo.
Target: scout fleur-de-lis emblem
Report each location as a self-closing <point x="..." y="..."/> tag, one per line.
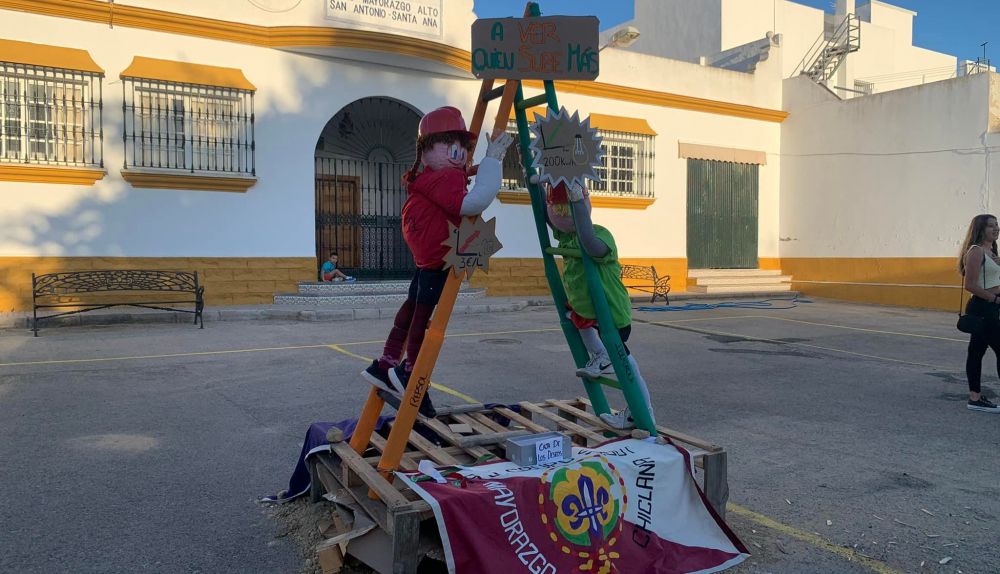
<point x="588" y="505"/>
<point x="582" y="506"/>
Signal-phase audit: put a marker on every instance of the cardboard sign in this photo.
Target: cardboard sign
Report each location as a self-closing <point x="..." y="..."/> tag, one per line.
<point x="549" y="450"/>
<point x="565" y="149"/>
<point x="470" y="246"/>
<point x="543" y="48"/>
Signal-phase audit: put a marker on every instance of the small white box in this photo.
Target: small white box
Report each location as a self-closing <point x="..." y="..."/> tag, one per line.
<point x="524" y="450"/>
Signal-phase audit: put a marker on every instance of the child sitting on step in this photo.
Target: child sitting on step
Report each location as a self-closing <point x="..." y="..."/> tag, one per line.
<point x="599" y="244"/>
<point x="329" y="271"/>
<point x="436" y="195"/>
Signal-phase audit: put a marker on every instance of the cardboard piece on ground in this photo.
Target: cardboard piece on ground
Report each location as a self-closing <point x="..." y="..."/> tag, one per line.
<point x="330" y="559"/>
<point x="461" y="428"/>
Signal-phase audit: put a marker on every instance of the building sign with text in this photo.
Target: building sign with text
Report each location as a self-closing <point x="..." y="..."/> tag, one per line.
<point x="422" y="17"/>
<point x="541" y="48"/>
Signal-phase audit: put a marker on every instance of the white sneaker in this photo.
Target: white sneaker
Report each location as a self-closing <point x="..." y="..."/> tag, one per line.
<point x="621" y="420"/>
<point x="349" y="279"/>
<point x="597" y="365"/>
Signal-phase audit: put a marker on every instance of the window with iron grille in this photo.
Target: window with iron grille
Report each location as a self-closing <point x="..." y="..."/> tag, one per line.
<point x="199" y="129"/>
<point x="50" y="116"/>
<point x="626" y="169"/>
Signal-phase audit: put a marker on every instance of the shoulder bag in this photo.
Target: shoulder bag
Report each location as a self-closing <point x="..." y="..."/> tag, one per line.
<point x="972" y="324"/>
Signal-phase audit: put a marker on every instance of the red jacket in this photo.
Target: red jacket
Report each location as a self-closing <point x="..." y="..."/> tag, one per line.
<point x="434" y="199"/>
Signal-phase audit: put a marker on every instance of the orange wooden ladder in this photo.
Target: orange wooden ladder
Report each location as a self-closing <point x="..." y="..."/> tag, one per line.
<point x="420" y="379"/>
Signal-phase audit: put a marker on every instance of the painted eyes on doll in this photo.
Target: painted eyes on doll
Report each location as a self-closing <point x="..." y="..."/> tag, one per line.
<point x="455" y="152"/>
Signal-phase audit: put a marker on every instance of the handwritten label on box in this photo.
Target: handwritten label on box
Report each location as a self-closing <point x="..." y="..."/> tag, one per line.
<point x="549" y="450"/>
<point x="542" y="48"/>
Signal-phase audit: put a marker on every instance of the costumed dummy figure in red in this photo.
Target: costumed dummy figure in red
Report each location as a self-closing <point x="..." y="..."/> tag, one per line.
<point x="437" y="194"/>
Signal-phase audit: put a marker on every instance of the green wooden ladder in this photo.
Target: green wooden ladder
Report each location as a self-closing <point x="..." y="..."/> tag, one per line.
<point x="609" y="333"/>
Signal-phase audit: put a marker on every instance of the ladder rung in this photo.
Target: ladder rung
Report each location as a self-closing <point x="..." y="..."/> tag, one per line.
<point x="562" y="251"/>
<point x="532" y="102"/>
<point x="608" y="382"/>
<point x="493" y="94"/>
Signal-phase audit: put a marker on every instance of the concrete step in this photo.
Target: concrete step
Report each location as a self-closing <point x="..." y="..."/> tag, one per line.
<point x="696" y="273"/>
<point x="740" y="280"/>
<point x="358" y="287"/>
<point x="727" y="289"/>
<point x="355" y="299"/>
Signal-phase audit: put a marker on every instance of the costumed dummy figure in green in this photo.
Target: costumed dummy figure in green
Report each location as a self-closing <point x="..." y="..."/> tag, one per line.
<point x="599" y="244"/>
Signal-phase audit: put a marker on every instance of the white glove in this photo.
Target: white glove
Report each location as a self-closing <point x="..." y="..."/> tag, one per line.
<point x="498" y="147"/>
<point x="575" y="192"/>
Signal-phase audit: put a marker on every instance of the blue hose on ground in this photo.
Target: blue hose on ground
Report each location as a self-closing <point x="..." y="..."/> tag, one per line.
<point x="765" y="304"/>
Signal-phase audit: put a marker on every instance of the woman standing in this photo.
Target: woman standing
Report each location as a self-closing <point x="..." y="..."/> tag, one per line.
<point x="980" y="265"/>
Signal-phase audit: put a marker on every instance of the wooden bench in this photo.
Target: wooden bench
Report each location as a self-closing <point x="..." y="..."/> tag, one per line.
<point x="60" y="290"/>
<point x="643" y="278"/>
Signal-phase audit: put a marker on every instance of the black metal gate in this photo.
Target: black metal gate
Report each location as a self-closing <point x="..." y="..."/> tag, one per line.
<point x="721" y="215"/>
<point x="358" y="205"/>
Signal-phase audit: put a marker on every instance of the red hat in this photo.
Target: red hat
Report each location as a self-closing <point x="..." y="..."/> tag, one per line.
<point x="559" y="195"/>
<point x="441" y="120"/>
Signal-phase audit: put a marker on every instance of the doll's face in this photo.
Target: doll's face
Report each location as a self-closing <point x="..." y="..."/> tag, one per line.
<point x="560" y="216"/>
<point x="446" y="154"/>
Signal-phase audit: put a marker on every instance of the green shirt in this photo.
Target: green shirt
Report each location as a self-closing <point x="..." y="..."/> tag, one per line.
<point x="608" y="270"/>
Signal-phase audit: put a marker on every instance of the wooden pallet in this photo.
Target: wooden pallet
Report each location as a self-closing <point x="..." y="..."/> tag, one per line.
<point x="471" y="433"/>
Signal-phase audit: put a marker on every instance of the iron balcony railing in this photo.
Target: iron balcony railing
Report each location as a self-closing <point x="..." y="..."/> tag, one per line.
<point x="188" y="127"/>
<point x="50" y="116"/>
<point x="626" y="170"/>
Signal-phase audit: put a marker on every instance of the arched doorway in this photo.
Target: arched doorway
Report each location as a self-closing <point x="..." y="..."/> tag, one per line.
<point x="360" y="160"/>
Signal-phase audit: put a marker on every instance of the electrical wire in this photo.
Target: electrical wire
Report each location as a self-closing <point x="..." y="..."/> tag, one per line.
<point x="763" y="304"/>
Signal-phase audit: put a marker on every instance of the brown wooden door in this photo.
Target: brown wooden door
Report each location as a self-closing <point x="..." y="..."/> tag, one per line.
<point x="338" y="204"/>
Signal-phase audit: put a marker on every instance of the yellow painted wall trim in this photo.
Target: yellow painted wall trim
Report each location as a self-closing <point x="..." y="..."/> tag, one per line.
<point x="509" y="276"/>
<point x="186" y="73"/>
<point x="51" y="174"/>
<point x="665" y="100"/>
<point x="254" y="35"/>
<point x="317" y="36"/>
<point x="47" y="56"/>
<point x="604" y="122"/>
<point x="922" y="282"/>
<point x="227" y="280"/>
<point x="522" y="198"/>
<point x="144" y="179"/>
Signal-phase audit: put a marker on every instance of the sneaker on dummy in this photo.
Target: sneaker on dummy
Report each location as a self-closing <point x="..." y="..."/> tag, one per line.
<point x="621" y="420"/>
<point x="401" y="378"/>
<point x="379" y="377"/>
<point x="350" y="279"/>
<point x="597" y="365"/>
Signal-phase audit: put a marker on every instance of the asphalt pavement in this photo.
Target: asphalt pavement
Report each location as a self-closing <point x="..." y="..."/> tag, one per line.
<point x="144" y="447"/>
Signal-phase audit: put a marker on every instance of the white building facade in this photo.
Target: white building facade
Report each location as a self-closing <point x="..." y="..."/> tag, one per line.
<point x="246" y="140"/>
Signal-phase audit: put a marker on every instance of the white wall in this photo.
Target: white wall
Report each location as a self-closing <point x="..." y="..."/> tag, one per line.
<point x="660" y="231"/>
<point x="678" y="29"/>
<point x="457" y="15"/>
<point x="887" y="56"/>
<point x="296" y="96"/>
<point x="890" y="175"/>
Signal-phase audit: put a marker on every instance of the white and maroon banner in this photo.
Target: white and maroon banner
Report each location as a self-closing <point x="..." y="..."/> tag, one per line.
<point x="625" y="506"/>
